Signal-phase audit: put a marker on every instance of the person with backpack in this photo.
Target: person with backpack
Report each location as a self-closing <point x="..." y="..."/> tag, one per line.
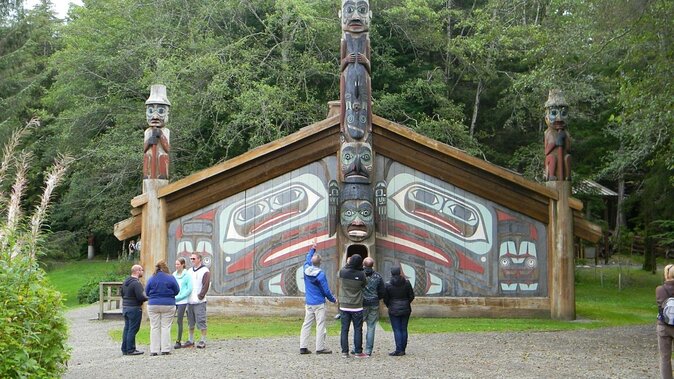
<point x="316" y="290"/>
<point x="665" y="324"/>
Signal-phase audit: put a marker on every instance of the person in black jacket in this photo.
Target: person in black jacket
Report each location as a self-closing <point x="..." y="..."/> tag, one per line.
<point x="133" y="297"/>
<point x="398" y="297"/>
<point x="351" y="283"/>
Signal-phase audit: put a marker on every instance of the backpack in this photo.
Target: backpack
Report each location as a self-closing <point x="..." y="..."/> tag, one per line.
<point x="667" y="313"/>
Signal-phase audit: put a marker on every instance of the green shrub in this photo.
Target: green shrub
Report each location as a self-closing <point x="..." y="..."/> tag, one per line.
<point x="33" y="329"/>
<point x="88" y="293"/>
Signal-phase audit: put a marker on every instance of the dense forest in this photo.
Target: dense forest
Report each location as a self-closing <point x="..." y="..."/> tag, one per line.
<point x="240" y="73"/>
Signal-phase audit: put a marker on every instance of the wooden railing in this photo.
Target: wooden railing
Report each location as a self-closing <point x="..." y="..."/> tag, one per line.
<point x="109" y="293"/>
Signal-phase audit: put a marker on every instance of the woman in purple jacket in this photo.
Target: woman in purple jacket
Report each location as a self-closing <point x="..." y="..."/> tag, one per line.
<point x="161" y="291"/>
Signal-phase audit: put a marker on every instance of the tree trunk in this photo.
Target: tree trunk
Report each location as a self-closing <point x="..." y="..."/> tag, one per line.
<point x="476" y="108"/>
<point x="620" y="215"/>
<point x="649" y="251"/>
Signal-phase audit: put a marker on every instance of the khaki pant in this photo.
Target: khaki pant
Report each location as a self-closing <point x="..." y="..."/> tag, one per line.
<point x="161" y="318"/>
<point x="665" y="334"/>
<point x="313" y="313"/>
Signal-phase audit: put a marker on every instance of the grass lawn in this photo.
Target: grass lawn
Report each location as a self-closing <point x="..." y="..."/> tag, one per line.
<point x="68" y="277"/>
<point x="602" y="300"/>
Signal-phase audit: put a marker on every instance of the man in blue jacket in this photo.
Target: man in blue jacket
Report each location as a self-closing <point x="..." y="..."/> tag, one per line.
<point x="315" y="291"/>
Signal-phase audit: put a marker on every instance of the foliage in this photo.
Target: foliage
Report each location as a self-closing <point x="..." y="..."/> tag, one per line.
<point x="88" y="293"/>
<point x="473" y="74"/>
<point x="33" y="332"/>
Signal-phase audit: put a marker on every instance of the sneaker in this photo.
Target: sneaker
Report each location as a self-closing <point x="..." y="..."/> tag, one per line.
<point x="361" y="355"/>
<point x="345" y="355"/>
<point x="396" y="353"/>
<point x="177" y="345"/>
<point x="135" y="352"/>
<point x="304" y="350"/>
<point x="324" y="351"/>
<point x="165" y="353"/>
<point x="153" y="354"/>
<point x="201" y="345"/>
<point x="188" y="344"/>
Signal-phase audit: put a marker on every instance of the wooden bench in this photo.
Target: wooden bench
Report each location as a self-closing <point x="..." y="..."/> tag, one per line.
<point x="109" y="293"/>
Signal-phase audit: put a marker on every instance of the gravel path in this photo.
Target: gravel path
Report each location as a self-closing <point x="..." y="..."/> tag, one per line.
<point x="629" y="352"/>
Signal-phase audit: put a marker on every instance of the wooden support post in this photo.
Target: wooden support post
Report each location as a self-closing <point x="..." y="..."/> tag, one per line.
<point x="154" y="232"/>
<point x="563" y="293"/>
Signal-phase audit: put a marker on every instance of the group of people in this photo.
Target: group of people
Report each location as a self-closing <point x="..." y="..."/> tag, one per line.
<point x="360" y="290"/>
<point x="168" y="295"/>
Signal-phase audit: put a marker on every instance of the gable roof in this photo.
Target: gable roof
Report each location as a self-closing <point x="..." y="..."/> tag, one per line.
<point x="390" y="139"/>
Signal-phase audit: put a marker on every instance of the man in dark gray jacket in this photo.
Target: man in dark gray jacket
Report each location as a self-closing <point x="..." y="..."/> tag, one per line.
<point x="133" y="297"/>
<point x="351" y="283"/>
<point x="372" y="293"/>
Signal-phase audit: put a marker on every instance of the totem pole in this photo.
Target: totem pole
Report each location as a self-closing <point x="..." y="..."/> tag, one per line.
<point x="558" y="177"/>
<point x="353" y="195"/>
<point x="156" y="149"/>
<point x="157" y="136"/>
<point x="557" y="139"/>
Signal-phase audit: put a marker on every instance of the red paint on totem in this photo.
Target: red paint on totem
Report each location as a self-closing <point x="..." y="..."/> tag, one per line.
<point x="502" y="216"/>
<point x="399" y="247"/>
<point x="179" y="232"/>
<point x="465" y="263"/>
<point x="274" y="220"/>
<point x="245" y="263"/>
<point x="533" y="233"/>
<point x="210" y="215"/>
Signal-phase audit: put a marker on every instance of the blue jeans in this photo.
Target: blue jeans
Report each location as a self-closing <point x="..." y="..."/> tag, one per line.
<point x="371" y="316"/>
<point x="399" y="326"/>
<point x="357" y="319"/>
<point x="132" y="317"/>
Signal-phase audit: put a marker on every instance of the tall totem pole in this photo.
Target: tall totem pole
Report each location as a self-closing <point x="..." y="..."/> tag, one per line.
<point x="156" y="148"/>
<point x="557" y="143"/>
<point x="352" y="195"/>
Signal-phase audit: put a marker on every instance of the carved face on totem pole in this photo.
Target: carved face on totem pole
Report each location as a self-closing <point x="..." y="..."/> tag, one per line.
<point x="556" y="110"/>
<point x="557" y="138"/>
<point x="356" y="214"/>
<point x="157" y="142"/>
<point x="157" y="107"/>
<point x="356" y="162"/>
<point x="157" y="115"/>
<point x="355" y="16"/>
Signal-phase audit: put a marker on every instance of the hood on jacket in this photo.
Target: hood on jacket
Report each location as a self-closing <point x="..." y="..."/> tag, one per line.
<point x="368" y="271"/>
<point x="312" y="271"/>
<point x="128" y="280"/>
<point x="180" y="276"/>
<point x="356" y="262"/>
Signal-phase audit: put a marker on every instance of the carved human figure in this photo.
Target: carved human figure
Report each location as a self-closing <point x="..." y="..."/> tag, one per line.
<point x="355" y="87"/>
<point x="356" y="162"/>
<point x="157" y="143"/>
<point x="356" y="212"/>
<point x="557" y="138"/>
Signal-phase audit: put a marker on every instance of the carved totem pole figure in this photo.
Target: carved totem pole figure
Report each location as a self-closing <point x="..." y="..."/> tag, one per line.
<point x="557" y="138"/>
<point x="157" y="137"/>
<point x="354" y="193"/>
<point x="356" y="111"/>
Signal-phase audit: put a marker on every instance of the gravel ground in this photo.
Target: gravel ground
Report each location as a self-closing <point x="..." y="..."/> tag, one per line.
<point x="629" y="352"/>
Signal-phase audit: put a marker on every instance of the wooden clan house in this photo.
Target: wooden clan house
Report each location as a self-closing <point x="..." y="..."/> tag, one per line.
<point x="474" y="239"/>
